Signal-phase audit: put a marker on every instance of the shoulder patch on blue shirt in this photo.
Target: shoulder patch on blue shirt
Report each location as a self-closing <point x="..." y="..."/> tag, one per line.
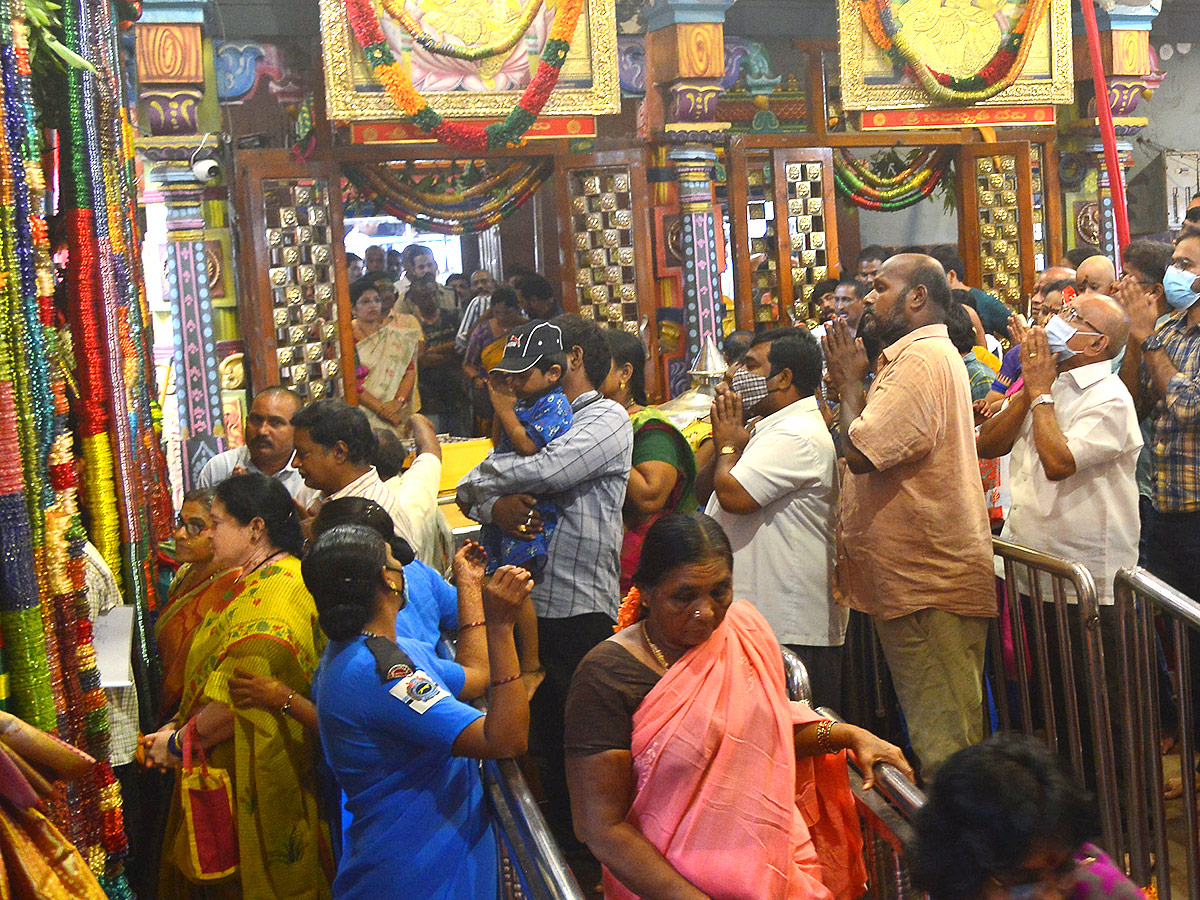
<point x="418" y="692"/>
<point x="390" y="661"/>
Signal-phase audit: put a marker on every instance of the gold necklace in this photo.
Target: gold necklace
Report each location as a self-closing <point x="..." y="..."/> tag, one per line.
<point x="658" y="654"/>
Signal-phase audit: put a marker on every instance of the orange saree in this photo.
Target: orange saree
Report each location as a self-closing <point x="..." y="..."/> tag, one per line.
<point x="719" y="789"/>
<point x="177" y="624"/>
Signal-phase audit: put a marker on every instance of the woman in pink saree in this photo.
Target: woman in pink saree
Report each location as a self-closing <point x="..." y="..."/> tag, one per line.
<point x="692" y="776"/>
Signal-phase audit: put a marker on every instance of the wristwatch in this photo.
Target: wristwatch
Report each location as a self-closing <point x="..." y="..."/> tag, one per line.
<point x="1040" y="399"/>
<point x="729" y="450"/>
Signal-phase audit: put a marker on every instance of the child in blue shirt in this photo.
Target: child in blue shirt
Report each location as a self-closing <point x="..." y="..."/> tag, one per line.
<point x="531" y="410"/>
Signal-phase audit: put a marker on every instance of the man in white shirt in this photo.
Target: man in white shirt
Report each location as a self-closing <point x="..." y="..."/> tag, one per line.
<point x="268" y="448"/>
<point x="334" y="447"/>
<point x="775" y="494"/>
<point x="1074" y="437"/>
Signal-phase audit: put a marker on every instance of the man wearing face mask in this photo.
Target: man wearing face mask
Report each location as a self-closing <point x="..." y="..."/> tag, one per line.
<point x="1162" y="369"/>
<point x="775" y="494"/>
<point x="915" y="548"/>
<point x="1074" y="438"/>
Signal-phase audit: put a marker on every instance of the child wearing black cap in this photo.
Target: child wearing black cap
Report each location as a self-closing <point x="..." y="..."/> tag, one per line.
<point x="531" y="410"/>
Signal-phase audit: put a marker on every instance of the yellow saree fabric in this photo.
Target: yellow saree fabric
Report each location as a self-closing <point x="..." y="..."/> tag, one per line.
<point x="269" y="628"/>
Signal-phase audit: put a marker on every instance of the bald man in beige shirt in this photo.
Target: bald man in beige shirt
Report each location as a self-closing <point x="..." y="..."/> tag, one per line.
<point x="915" y="548"/>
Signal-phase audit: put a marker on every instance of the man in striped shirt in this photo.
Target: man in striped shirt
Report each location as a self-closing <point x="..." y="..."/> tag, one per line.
<point x="482" y="285"/>
<point x="586" y="471"/>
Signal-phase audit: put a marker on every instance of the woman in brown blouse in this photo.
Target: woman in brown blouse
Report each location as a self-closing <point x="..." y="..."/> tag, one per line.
<point x="691" y="774"/>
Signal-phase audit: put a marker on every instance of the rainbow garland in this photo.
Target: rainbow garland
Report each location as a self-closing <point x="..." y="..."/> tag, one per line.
<point x="364" y="22"/>
<point x="856" y="181"/>
<point x="995" y="76"/>
<point x="461" y="212"/>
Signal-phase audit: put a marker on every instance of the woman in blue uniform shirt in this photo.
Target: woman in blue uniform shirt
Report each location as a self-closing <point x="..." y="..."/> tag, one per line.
<point x="398" y="740"/>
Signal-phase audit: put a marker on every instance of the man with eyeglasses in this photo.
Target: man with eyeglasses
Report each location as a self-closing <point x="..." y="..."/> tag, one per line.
<point x="268" y="448"/>
<point x="1074" y="437"/>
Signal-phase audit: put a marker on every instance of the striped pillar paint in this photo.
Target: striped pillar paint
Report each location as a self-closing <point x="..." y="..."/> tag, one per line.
<point x="701" y="274"/>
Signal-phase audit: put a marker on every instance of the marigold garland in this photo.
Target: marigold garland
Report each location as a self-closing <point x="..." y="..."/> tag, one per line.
<point x="465" y="136"/>
<point x="994" y="77"/>
<point x="630" y="612"/>
<point x="397" y="10"/>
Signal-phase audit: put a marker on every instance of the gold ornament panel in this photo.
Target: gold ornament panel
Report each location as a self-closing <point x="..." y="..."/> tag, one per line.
<point x="304" y="303"/>
<point x="955" y="37"/>
<point x="587" y="86"/>
<point x="999" y="227"/>
<point x="602" y="234"/>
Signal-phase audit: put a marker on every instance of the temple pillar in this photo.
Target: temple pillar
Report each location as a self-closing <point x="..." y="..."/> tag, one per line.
<point x="685" y="62"/>
<point x="1130" y="77"/>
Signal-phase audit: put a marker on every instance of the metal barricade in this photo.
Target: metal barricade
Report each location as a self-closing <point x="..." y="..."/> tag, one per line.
<point x="540" y="872"/>
<point x="1140" y="598"/>
<point x="885" y="812"/>
<point x="1027" y="575"/>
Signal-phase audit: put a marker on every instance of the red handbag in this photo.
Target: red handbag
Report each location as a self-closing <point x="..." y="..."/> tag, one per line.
<point x="207" y="796"/>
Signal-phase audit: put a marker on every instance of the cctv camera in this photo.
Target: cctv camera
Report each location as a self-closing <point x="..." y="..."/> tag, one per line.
<point x="206" y="169"/>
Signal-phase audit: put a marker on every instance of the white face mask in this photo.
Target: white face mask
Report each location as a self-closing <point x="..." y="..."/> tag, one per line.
<point x="1058" y="332"/>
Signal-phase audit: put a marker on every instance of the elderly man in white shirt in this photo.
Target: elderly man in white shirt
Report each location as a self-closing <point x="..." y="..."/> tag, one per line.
<point x="1074" y="437"/>
<point x="775" y="494"/>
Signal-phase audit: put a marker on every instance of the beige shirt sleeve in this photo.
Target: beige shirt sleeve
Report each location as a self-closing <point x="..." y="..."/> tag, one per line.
<point x="905" y="415"/>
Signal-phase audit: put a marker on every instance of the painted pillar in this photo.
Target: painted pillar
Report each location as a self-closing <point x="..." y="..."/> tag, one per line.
<point x="685" y="62"/>
<point x="1130" y="76"/>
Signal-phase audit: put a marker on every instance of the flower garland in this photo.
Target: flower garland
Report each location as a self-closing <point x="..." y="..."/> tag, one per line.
<point x="397" y="10"/>
<point x="856" y="181"/>
<point x="994" y="77"/>
<point x="447" y="213"/>
<point x="630" y="612"/>
<point x="465" y="136"/>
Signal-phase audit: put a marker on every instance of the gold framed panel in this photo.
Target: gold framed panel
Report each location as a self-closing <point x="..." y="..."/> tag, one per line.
<point x="869" y="82"/>
<point x="587" y="86"/>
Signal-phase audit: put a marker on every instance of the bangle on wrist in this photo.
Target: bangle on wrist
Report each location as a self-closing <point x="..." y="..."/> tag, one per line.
<point x="824" y="744"/>
<point x="507" y="680"/>
<point x="462" y="628"/>
<point x="287" y="704"/>
<point x="173" y="744"/>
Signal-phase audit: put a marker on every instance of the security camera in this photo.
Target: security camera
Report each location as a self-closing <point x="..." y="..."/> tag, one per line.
<point x="206" y="170"/>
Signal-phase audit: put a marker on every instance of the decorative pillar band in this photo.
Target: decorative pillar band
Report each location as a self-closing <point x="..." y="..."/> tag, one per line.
<point x="701" y="275"/>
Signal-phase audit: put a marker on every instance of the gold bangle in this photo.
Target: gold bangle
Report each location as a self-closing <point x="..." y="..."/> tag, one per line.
<point x="824" y="744"/>
<point x="287" y="704"/>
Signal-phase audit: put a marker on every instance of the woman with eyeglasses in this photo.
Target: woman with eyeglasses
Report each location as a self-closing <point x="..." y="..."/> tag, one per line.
<point x="200" y="587"/>
<point x="268" y="627"/>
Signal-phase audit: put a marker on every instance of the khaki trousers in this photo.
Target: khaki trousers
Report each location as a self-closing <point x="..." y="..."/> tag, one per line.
<point x="936" y="660"/>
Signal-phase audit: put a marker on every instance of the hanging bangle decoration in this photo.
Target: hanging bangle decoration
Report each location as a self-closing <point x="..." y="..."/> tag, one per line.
<point x="463" y="135"/>
<point x="396" y="9"/>
<point x="995" y="76"/>
<point x="856" y="181"/>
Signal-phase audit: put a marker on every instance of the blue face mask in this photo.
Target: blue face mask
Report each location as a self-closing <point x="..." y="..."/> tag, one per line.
<point x="1058" y="332"/>
<point x="1178" y="287"/>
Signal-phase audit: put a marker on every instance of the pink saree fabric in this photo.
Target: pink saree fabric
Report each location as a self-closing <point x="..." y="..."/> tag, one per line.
<point x="719" y="790"/>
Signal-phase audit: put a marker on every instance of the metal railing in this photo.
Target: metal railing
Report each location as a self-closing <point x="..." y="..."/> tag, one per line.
<point x="1140" y="599"/>
<point x="539" y="863"/>
<point x="885" y="811"/>
<point x="1038" y="584"/>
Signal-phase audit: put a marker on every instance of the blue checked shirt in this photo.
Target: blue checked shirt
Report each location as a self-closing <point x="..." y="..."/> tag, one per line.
<point x="1175" y="425"/>
<point x="586" y="470"/>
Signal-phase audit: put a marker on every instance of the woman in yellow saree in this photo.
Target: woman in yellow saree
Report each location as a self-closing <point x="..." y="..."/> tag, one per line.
<point x="386" y="349"/>
<point x="268" y="628"/>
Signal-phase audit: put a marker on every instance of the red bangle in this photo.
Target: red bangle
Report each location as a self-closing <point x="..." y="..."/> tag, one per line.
<point x="506" y="680"/>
